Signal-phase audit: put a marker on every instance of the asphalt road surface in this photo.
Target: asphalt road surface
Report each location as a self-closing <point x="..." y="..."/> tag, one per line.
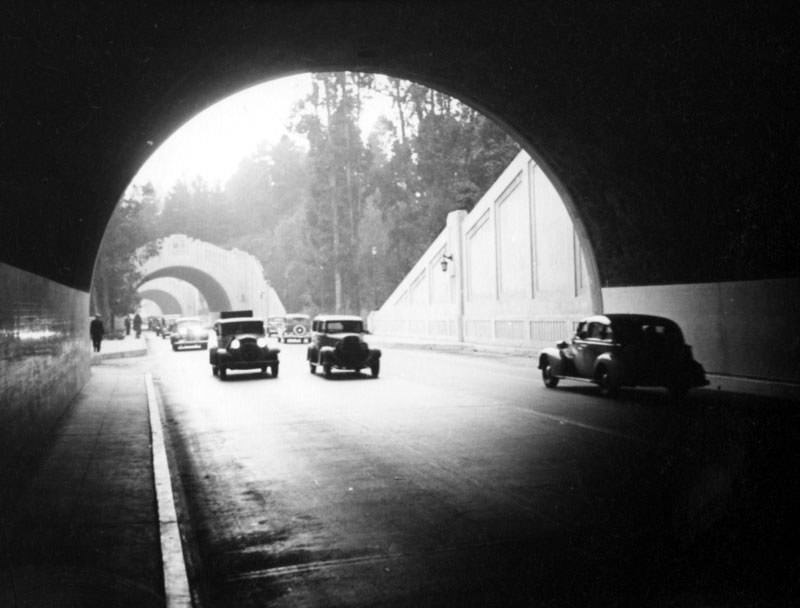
<point x="460" y="480"/>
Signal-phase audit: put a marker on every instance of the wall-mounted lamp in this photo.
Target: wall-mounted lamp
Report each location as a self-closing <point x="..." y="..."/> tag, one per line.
<point x="443" y="262"/>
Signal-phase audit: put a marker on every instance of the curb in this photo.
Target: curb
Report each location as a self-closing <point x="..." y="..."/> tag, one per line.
<point x="123" y="354"/>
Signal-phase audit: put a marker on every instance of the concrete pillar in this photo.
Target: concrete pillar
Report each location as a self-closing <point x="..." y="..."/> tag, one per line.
<point x="457" y="266"/>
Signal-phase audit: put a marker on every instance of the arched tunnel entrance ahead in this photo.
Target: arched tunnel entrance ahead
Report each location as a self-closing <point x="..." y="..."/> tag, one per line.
<point x="166" y="302"/>
<point x="672" y="130"/>
<point x="213" y="292"/>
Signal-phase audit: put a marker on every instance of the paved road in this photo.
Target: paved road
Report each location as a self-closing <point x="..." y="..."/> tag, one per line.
<point x="455" y="480"/>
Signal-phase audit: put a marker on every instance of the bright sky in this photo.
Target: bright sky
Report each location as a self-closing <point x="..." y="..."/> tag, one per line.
<point x="212" y="143"/>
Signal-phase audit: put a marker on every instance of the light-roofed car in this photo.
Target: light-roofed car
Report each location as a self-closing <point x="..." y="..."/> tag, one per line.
<point x="189" y="331"/>
<point x="241" y="343"/>
<point x="617" y="350"/>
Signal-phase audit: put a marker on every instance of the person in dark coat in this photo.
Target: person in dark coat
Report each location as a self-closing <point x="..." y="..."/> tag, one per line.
<point x="137" y="325"/>
<point x="127" y="325"/>
<point x="96" y="331"/>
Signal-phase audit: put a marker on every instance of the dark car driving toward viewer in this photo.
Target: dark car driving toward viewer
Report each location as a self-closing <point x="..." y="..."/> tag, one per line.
<point x="241" y="344"/>
<point x="617" y="350"/>
<point x="337" y="342"/>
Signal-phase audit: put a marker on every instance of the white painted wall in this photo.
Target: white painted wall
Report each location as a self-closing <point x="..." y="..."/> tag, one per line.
<point x="515" y="277"/>
<point x="742" y="328"/>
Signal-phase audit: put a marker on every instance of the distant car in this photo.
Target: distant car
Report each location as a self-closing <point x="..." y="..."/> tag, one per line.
<point x="617" y="350"/>
<point x="275" y="325"/>
<point x="188" y="331"/>
<point x="241" y="343"/>
<point x="337" y="342"/>
<point x="296" y="327"/>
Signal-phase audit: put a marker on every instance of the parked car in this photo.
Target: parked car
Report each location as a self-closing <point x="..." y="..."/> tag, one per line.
<point x="296" y="327"/>
<point x="188" y="331"/>
<point x="337" y="342"/>
<point x="241" y="343"/>
<point x="617" y="350"/>
<point x="275" y="325"/>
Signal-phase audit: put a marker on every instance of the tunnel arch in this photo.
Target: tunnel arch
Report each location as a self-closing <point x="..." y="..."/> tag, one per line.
<point x="213" y="292"/>
<point x="168" y="303"/>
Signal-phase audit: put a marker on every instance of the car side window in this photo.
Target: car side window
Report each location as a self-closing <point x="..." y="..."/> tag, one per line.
<point x="580" y="332"/>
<point x="598" y="331"/>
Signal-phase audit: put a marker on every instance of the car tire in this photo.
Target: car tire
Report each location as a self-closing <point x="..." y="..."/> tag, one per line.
<point x="223" y="373"/>
<point x="214" y="370"/>
<point x="174" y="348"/>
<point x="312" y="368"/>
<point x="550" y="381"/>
<point x="375" y="368"/>
<point x="607" y="386"/>
<point x="203" y="346"/>
<point x="274" y="370"/>
<point x="327" y="369"/>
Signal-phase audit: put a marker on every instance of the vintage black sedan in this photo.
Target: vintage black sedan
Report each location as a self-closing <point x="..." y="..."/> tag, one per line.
<point x="242" y="344"/>
<point x="337" y="342"/>
<point x="617" y="350"/>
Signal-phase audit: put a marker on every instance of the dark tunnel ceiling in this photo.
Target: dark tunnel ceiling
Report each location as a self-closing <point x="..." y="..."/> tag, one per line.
<point x="214" y="294"/>
<point x="672" y="130"/>
<point x="168" y="303"/>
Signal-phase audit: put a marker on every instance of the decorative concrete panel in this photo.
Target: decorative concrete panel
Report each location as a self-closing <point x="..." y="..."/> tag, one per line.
<point x="44" y="359"/>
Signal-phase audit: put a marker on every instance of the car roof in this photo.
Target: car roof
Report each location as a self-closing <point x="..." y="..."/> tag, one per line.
<point x="338" y="318"/>
<point x="629" y="318"/>
<point x="239" y="320"/>
<point x="297" y="315"/>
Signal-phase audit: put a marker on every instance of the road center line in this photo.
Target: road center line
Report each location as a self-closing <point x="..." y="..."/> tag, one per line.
<point x="176" y="581"/>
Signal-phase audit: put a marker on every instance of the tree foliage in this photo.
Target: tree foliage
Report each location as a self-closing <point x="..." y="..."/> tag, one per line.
<point x="338" y="222"/>
<point x="128" y="242"/>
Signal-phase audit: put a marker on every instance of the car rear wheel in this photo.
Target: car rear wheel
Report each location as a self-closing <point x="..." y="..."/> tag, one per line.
<point x="214" y="370"/>
<point x="550" y="381"/>
<point x="274" y="370"/>
<point x="606" y="384"/>
<point x="327" y="369"/>
<point x="375" y="368"/>
<point x="223" y="373"/>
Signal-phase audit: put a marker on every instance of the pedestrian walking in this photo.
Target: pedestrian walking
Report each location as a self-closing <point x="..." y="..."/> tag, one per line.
<point x="137" y="325"/>
<point x="96" y="331"/>
<point x="127" y="325"/>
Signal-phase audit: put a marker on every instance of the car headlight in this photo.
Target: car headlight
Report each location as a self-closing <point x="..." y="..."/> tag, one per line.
<point x="262" y="342"/>
<point x="235" y="344"/>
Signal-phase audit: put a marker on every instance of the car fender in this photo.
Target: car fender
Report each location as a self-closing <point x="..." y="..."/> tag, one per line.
<point x="552" y="357"/>
<point x="375" y="353"/>
<point x="326" y="354"/>
<point x="613" y="365"/>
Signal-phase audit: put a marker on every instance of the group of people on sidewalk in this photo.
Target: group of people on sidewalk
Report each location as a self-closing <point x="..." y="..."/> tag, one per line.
<point x="97" y="330"/>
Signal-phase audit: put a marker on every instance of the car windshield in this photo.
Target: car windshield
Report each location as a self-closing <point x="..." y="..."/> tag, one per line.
<point x="189" y="325"/>
<point x="338" y="327"/>
<point x="242" y="327"/>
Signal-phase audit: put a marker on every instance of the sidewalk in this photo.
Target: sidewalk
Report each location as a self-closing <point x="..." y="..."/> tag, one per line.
<point x="127" y="347"/>
<point x="84" y="531"/>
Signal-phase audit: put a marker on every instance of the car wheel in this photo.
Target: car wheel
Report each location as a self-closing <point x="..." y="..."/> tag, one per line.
<point x="274" y="370"/>
<point x="214" y="370"/>
<point x="312" y="368"/>
<point x="550" y="381"/>
<point x="327" y="369"/>
<point x="375" y="368"/>
<point x="223" y="373"/>
<point x="607" y="386"/>
<point x="175" y="348"/>
<point x="263" y="370"/>
<point x="203" y="346"/>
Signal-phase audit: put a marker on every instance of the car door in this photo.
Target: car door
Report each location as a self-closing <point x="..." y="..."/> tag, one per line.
<point x="588" y="345"/>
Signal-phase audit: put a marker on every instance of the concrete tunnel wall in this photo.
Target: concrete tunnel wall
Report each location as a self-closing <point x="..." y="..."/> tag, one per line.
<point x="670" y="132"/>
